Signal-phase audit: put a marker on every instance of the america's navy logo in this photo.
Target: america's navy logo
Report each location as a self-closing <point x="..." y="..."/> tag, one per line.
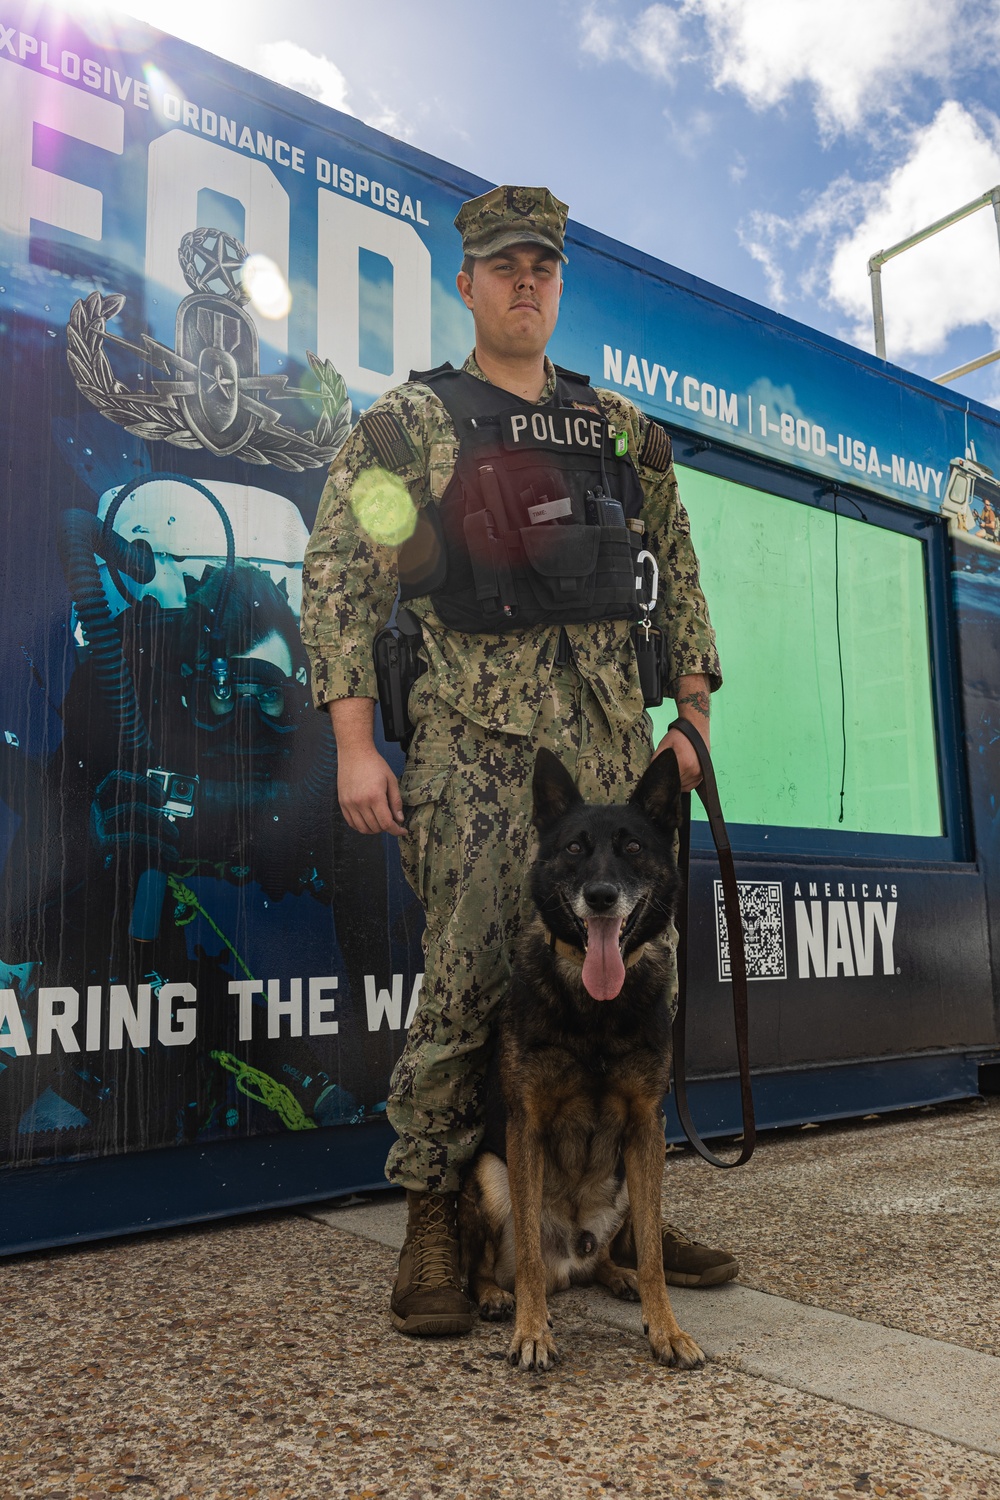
<point x="217" y="398"/>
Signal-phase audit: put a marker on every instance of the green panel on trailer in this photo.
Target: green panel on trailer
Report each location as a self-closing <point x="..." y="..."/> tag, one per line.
<point x="770" y="568"/>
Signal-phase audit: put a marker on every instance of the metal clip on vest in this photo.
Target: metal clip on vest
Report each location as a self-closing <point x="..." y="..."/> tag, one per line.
<point x="647" y="640"/>
<point x="708" y="791"/>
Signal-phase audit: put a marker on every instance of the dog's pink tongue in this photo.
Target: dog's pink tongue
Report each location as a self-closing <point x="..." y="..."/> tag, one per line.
<point x="603" y="970"/>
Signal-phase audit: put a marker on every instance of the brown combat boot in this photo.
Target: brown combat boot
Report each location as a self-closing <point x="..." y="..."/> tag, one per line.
<point x="428" y="1300"/>
<point x="686" y="1262"/>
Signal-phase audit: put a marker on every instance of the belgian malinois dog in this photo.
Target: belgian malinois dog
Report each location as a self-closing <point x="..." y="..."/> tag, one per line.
<point x="570" y="1189"/>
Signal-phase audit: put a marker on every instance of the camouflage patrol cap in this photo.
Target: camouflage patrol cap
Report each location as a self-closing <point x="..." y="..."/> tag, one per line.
<point x="512" y="216"/>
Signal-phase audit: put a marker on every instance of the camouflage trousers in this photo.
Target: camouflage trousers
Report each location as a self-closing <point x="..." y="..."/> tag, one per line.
<point x="467" y="796"/>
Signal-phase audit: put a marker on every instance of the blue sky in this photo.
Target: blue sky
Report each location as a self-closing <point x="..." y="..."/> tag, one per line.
<point x="769" y="146"/>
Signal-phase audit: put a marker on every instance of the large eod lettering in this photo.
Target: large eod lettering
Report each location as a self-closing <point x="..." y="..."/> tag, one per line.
<point x="180" y="166"/>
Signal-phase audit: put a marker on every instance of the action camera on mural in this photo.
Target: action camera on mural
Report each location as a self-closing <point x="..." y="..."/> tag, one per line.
<point x="178" y="792"/>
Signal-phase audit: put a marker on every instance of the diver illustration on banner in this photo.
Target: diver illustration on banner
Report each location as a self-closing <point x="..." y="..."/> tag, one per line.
<point x="196" y="785"/>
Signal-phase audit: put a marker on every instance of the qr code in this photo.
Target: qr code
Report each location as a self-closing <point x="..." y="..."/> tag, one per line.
<point x="763" y="913"/>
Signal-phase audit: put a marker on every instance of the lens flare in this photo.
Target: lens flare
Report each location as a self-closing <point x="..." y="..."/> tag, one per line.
<point x="107" y="26"/>
<point x="381" y="502"/>
<point x="268" y="290"/>
<point x="161" y="86"/>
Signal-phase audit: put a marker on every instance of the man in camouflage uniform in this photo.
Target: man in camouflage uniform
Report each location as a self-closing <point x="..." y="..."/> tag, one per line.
<point x="481" y="710"/>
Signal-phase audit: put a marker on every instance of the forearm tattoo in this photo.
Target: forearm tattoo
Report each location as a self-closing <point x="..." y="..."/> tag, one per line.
<point x="698" y="701"/>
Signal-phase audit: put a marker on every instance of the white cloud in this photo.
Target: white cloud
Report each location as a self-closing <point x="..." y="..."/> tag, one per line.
<point x="768" y="237"/>
<point x="760" y="238"/>
<point x="298" y="68"/>
<point x="856" y="59"/>
<point x="856" y="56"/>
<point x="689" y="130"/>
<point x="203" y="25"/>
<point x="598" y="34"/>
<point x="384" y="117"/>
<point x="313" y="74"/>
<point x="655" y="36"/>
<point x="950" y="282"/>
<point x="650" y="44"/>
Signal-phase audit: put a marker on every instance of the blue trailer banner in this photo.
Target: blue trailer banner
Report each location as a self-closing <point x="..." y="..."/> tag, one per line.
<point x="204" y="279"/>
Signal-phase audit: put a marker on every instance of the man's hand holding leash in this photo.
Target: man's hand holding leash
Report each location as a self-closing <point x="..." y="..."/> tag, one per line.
<point x="692" y="701"/>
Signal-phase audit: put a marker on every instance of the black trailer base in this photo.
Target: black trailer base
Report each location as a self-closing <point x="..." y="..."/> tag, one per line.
<point x="70" y="1203"/>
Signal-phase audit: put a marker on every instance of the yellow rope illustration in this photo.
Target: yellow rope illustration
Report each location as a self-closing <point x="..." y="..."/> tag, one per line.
<point x="185" y="896"/>
<point x="263" y="1089"/>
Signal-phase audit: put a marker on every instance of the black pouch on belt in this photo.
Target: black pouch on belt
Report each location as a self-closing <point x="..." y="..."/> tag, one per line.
<point x="647" y="642"/>
<point x="397" y="667"/>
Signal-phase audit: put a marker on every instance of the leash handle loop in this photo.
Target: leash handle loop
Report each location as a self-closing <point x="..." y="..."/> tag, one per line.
<point x="708" y="792"/>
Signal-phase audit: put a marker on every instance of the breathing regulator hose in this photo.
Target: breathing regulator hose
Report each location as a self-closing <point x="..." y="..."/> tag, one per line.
<point x="111" y="542"/>
<point x="83" y="538"/>
<point x="80" y="537"/>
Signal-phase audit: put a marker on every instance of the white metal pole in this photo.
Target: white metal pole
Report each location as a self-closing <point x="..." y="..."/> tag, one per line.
<point x="875" y="272"/>
<point x="878" y="260"/>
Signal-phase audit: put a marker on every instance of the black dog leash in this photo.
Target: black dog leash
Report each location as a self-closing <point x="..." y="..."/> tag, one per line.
<point x="708" y="791"/>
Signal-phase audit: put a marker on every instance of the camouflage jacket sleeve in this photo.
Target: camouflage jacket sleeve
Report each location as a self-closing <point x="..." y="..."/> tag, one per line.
<point x="384" y="471"/>
<point x="681" y="611"/>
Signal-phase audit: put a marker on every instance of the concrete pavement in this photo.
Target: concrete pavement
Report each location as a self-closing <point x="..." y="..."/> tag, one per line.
<point x="923" y="1383"/>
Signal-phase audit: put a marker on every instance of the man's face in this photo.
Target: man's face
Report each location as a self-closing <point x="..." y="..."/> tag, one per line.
<point x="270" y="698"/>
<point x="514" y="300"/>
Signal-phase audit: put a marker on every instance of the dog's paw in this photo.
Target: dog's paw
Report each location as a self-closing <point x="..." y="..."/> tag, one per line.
<point x="496" y="1305"/>
<point x="623" y="1283"/>
<point x="680" y="1351"/>
<point x="532" y="1351"/>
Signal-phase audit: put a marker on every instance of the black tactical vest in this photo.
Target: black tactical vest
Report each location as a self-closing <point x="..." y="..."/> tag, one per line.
<point x="532" y="528"/>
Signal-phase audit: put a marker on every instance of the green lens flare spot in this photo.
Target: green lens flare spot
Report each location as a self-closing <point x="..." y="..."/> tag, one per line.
<point x="383" y="508"/>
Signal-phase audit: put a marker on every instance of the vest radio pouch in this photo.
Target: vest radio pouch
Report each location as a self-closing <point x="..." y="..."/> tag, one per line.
<point x="536" y="525"/>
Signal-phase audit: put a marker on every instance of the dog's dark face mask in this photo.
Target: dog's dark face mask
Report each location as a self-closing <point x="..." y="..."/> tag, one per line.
<point x="605" y="880"/>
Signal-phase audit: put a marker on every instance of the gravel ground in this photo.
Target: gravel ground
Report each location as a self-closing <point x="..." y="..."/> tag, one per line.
<point x="254" y="1358"/>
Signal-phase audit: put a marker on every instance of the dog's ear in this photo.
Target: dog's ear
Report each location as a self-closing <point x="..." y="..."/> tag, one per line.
<point x="659" y="791"/>
<point x="553" y="790"/>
